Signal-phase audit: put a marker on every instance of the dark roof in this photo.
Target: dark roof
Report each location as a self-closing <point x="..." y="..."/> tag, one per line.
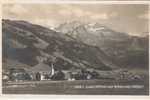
<point x="41" y="67"/>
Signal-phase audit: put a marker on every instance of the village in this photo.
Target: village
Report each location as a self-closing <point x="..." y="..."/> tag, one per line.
<point x="41" y="72"/>
<point x="45" y="72"/>
<point x="43" y="78"/>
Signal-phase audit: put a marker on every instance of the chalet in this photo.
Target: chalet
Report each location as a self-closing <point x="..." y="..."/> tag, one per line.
<point x="42" y="71"/>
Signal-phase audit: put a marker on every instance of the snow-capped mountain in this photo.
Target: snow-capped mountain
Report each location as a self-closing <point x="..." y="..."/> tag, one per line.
<point x="91" y="33"/>
<point x="115" y="44"/>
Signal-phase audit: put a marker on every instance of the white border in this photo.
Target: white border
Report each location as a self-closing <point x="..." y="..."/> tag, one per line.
<point x="79" y="1"/>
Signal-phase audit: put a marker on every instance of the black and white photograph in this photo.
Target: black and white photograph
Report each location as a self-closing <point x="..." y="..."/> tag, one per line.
<point x="75" y="49"/>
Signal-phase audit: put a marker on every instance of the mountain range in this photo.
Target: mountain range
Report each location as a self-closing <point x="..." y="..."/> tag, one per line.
<point x="71" y="46"/>
<point x="124" y="49"/>
<point x="26" y="45"/>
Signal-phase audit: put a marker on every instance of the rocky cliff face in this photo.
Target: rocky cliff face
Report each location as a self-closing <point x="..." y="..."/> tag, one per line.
<point x="124" y="49"/>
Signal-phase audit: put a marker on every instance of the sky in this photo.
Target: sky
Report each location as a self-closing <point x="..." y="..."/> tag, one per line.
<point x="129" y="18"/>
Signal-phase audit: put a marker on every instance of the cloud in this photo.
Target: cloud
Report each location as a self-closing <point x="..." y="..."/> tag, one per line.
<point x="18" y="9"/>
<point x="103" y="16"/>
<point x="59" y="12"/>
<point x="143" y="16"/>
<point x="124" y="18"/>
<point x="113" y="14"/>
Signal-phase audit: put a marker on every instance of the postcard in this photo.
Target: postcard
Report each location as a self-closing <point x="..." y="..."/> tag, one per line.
<point x="75" y="49"/>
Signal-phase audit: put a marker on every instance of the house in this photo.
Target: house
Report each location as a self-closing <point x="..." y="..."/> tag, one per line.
<point x="82" y="74"/>
<point x="5" y="77"/>
<point x="69" y="76"/>
<point x="18" y="75"/>
<point x="42" y="71"/>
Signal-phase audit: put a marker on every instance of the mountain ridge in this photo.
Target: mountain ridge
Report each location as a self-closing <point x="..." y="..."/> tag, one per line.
<point x="42" y="44"/>
<point x="116" y="45"/>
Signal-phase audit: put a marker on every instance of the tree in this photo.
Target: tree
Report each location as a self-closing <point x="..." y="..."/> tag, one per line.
<point x="58" y="76"/>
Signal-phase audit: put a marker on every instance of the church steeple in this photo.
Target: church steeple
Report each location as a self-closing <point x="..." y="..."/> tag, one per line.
<point x="52" y="69"/>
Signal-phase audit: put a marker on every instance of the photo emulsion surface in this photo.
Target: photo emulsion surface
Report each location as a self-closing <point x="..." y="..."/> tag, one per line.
<point x="77" y="49"/>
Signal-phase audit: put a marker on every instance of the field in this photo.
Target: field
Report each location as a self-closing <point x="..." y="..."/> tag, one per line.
<point x="78" y="87"/>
